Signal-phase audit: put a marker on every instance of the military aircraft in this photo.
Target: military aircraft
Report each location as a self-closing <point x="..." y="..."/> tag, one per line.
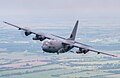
<point x="59" y="44"/>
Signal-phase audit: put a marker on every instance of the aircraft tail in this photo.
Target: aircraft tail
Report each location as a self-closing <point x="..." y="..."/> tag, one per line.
<point x="73" y="34"/>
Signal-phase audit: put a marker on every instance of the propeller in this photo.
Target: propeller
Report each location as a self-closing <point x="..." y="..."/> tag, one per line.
<point x="72" y="51"/>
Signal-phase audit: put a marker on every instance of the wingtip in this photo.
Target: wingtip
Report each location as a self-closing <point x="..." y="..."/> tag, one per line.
<point x="4" y="22"/>
<point x="114" y="55"/>
<point x="77" y="20"/>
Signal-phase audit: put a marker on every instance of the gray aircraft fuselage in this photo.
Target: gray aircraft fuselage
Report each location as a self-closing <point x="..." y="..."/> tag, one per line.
<point x="54" y="46"/>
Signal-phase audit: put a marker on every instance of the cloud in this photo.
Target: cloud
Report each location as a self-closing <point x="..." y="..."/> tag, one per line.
<point x="106" y="41"/>
<point x="63" y="8"/>
<point x="3" y="49"/>
<point x="47" y="12"/>
<point x="21" y="42"/>
<point x="2" y="41"/>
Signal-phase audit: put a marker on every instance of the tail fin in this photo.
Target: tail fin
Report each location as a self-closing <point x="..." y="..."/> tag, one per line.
<point x="73" y="34"/>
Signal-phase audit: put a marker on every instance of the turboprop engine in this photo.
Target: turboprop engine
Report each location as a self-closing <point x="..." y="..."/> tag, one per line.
<point x="82" y="51"/>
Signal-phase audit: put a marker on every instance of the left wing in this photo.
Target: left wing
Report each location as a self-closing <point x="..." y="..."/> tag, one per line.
<point x="89" y="48"/>
<point x="39" y="36"/>
<point x="82" y="46"/>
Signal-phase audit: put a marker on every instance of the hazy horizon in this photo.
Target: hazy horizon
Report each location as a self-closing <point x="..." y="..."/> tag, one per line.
<point x="60" y="12"/>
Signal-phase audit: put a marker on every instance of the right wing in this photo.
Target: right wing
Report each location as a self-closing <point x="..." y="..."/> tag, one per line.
<point x="39" y="36"/>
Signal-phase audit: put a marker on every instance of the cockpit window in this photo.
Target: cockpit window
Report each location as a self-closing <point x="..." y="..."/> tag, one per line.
<point x="48" y="42"/>
<point x="45" y="43"/>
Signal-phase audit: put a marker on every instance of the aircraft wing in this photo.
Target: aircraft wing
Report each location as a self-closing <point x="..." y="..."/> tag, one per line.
<point x="28" y="32"/>
<point x="82" y="46"/>
<point x="89" y="48"/>
<point x="86" y="47"/>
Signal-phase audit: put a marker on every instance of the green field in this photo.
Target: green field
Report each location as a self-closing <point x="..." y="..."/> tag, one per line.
<point x="68" y="65"/>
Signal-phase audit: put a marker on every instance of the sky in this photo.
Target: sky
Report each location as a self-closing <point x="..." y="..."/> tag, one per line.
<point x="58" y="10"/>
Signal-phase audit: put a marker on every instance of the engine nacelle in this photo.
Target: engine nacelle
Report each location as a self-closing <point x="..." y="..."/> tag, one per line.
<point x="62" y="50"/>
<point x="38" y="37"/>
<point x="67" y="47"/>
<point x="79" y="52"/>
<point x="27" y="33"/>
<point x="82" y="51"/>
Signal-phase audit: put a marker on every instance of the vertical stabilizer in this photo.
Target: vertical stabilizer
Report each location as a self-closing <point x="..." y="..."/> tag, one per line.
<point x="73" y="34"/>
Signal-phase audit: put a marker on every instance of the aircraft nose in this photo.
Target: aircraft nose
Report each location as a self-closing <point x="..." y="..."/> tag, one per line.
<point x="44" y="47"/>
